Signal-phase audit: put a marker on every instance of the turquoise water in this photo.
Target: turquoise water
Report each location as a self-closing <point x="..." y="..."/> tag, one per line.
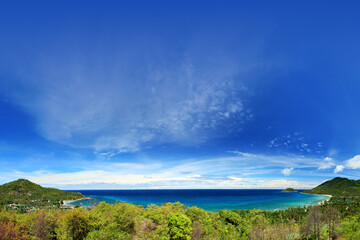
<point x="210" y="200"/>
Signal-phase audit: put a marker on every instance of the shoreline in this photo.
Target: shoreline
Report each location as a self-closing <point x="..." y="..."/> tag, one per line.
<point x="321" y="202"/>
<point x="66" y="203"/>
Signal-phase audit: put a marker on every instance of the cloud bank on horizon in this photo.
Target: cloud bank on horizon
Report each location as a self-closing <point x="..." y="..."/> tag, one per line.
<point x="182" y="95"/>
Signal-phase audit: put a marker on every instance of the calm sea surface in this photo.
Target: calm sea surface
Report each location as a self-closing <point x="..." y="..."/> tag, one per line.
<point x="211" y="200"/>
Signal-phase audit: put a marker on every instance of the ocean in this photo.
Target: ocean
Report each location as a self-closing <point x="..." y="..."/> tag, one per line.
<point x="210" y="200"/>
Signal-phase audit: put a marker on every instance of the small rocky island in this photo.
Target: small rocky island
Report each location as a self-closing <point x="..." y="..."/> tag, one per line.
<point x="289" y="190"/>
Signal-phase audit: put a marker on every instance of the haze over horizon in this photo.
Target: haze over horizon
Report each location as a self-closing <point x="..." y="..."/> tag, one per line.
<point x="100" y="95"/>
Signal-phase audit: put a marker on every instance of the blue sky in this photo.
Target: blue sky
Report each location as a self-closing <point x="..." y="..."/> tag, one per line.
<point x="179" y="94"/>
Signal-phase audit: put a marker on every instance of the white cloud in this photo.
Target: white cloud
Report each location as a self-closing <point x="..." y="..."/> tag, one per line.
<point x="223" y="172"/>
<point x="353" y="163"/>
<point x="327" y="163"/>
<point x="339" y="168"/>
<point x="287" y="171"/>
<point x="112" y="179"/>
<point x="236" y="178"/>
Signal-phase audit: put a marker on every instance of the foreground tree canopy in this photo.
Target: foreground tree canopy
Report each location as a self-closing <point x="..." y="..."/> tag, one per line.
<point x="174" y="221"/>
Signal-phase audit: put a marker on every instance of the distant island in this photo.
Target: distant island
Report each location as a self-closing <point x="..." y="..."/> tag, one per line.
<point x="289" y="190"/>
<point x="28" y="195"/>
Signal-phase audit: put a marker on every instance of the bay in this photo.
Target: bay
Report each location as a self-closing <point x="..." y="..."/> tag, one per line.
<point x="208" y="199"/>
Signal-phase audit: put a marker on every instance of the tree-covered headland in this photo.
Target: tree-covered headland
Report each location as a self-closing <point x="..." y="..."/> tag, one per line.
<point x="22" y="192"/>
<point x="338" y="218"/>
<point x="338" y="187"/>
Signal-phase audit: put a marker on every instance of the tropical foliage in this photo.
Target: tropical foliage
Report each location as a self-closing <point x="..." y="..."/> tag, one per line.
<point x="174" y="221"/>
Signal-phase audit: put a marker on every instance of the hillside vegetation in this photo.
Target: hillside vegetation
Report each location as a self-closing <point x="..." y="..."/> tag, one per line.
<point x="24" y="192"/>
<point x="340" y="187"/>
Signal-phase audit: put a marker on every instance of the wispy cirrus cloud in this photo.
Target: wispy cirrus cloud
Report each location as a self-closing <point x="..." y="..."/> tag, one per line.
<point x="296" y="142"/>
<point x="289" y="160"/>
<point x="112" y="107"/>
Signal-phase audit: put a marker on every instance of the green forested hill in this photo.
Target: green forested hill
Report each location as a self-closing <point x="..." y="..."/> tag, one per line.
<point x="337" y="187"/>
<point x="25" y="192"/>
